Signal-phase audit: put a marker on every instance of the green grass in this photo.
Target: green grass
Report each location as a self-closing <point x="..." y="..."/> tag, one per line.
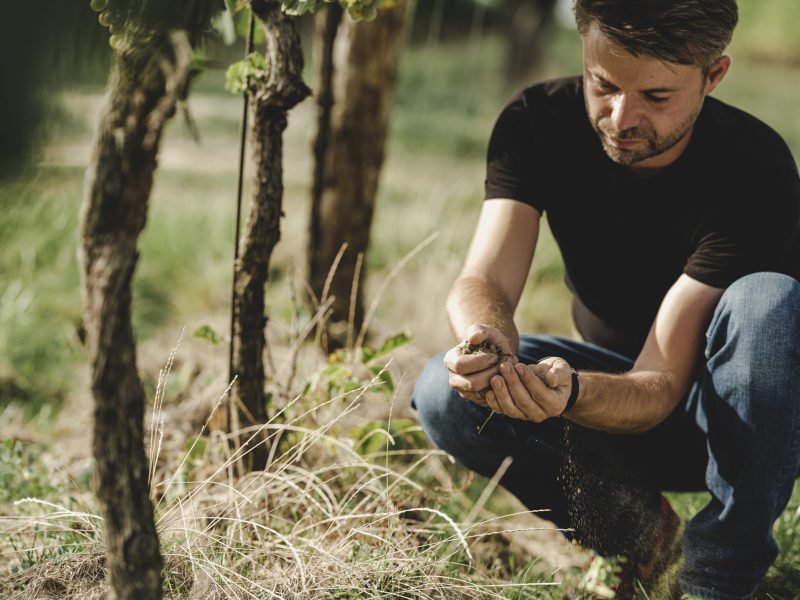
<point x="767" y="30"/>
<point x="783" y="578"/>
<point x="40" y="297"/>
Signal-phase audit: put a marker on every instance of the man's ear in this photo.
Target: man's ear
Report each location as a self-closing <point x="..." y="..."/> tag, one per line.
<point x="717" y="73"/>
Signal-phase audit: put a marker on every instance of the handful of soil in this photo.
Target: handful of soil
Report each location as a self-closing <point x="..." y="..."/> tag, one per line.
<point x="485" y="347"/>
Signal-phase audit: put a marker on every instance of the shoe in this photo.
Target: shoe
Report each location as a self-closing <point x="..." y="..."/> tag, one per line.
<point x="653" y="576"/>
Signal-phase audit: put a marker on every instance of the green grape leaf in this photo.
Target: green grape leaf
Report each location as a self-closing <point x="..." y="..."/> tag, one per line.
<point x="243" y="75"/>
<point x="225" y="26"/>
<point x="385" y="378"/>
<point x="367" y="354"/>
<point x="206" y="332"/>
<point x="393" y="342"/>
<point x="336" y="373"/>
<point x="195" y="447"/>
<point x="350" y="386"/>
<point x="242" y="21"/>
<point x="296" y="8"/>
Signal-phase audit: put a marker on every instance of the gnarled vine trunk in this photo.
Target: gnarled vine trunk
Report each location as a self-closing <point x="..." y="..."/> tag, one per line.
<point x="270" y="102"/>
<point x="148" y="77"/>
<point x="364" y="93"/>
<point x="326" y="28"/>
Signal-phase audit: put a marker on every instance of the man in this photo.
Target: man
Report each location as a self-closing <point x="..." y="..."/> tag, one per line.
<point x="677" y="219"/>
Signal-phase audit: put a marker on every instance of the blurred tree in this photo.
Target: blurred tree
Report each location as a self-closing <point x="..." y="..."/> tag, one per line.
<point x="346" y="181"/>
<point x="526" y="20"/>
<point x="41" y="43"/>
<point x="326" y="29"/>
<point x="151" y="71"/>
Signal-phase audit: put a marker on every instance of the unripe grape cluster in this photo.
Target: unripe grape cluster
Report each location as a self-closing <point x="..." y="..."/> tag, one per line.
<point x="111" y="15"/>
<point x="363" y="9"/>
<point x="117" y="15"/>
<point x="357" y="9"/>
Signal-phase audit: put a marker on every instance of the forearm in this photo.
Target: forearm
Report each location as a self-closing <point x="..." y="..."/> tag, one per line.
<point x="628" y="403"/>
<point x="474" y="301"/>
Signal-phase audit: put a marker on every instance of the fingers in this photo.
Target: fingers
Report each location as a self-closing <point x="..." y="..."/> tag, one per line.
<point x="477" y="334"/>
<point x="532" y="392"/>
<point x="480" y="333"/>
<point x="472" y="387"/>
<point x="464" y="364"/>
<point x="517" y="392"/>
<point x="539" y="370"/>
<point x="499" y="395"/>
<point x="474" y="384"/>
<point x="512" y="398"/>
<point x="536" y="380"/>
<point x="478" y="398"/>
<point x="558" y="372"/>
<point x="470" y="374"/>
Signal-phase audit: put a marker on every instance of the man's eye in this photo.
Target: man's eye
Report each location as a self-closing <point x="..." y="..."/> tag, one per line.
<point x="657" y="99"/>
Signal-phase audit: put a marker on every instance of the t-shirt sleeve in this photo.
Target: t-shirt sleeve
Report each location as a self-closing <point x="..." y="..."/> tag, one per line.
<point x="510" y="158"/>
<point x="751" y="231"/>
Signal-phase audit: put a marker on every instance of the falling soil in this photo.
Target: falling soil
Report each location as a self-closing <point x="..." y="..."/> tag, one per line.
<point x="610" y="509"/>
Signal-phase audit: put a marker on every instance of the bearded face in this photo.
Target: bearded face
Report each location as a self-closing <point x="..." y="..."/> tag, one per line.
<point x="643" y="109"/>
<point x="637" y="144"/>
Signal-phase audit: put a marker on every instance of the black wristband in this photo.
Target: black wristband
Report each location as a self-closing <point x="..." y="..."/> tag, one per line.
<point x="573" y="395"/>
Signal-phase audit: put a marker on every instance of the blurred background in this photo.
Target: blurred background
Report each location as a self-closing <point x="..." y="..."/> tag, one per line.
<point x="463" y="59"/>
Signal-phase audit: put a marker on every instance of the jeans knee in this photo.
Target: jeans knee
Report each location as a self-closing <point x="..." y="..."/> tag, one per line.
<point x="431" y="392"/>
<point x="446" y="418"/>
<point x="754" y="341"/>
<point x="760" y="314"/>
<point x="761" y="298"/>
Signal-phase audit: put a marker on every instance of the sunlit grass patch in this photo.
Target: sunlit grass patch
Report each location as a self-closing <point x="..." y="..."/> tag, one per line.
<point x="340" y="512"/>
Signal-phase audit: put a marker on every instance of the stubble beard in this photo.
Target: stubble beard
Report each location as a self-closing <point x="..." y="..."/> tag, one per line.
<point x="651" y="144"/>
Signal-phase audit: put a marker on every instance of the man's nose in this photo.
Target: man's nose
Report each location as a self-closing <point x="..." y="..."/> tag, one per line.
<point x="624" y="113"/>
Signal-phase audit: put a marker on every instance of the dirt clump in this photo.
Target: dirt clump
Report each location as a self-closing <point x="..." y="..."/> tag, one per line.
<point x="484" y="347"/>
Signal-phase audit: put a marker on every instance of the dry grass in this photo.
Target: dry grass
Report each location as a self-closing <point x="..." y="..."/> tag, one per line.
<point x="345" y="509"/>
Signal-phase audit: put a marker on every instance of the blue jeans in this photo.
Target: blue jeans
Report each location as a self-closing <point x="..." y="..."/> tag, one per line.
<point x="736" y="435"/>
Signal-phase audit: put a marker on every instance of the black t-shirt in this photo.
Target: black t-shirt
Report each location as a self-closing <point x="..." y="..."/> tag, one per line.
<point x="728" y="206"/>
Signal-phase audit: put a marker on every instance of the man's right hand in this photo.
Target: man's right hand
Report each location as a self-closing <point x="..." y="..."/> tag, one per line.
<point x="470" y="374"/>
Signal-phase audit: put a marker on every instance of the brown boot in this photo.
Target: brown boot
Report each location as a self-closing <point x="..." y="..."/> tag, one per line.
<point x="650" y="574"/>
<point x="654" y="575"/>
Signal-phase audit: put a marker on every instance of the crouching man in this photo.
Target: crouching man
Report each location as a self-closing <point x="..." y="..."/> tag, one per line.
<point x="677" y="218"/>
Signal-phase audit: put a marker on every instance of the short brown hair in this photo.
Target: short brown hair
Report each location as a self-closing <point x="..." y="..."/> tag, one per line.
<point x="684" y="32"/>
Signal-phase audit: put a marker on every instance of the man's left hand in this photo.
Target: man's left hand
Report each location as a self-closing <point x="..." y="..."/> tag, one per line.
<point x="532" y="392"/>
